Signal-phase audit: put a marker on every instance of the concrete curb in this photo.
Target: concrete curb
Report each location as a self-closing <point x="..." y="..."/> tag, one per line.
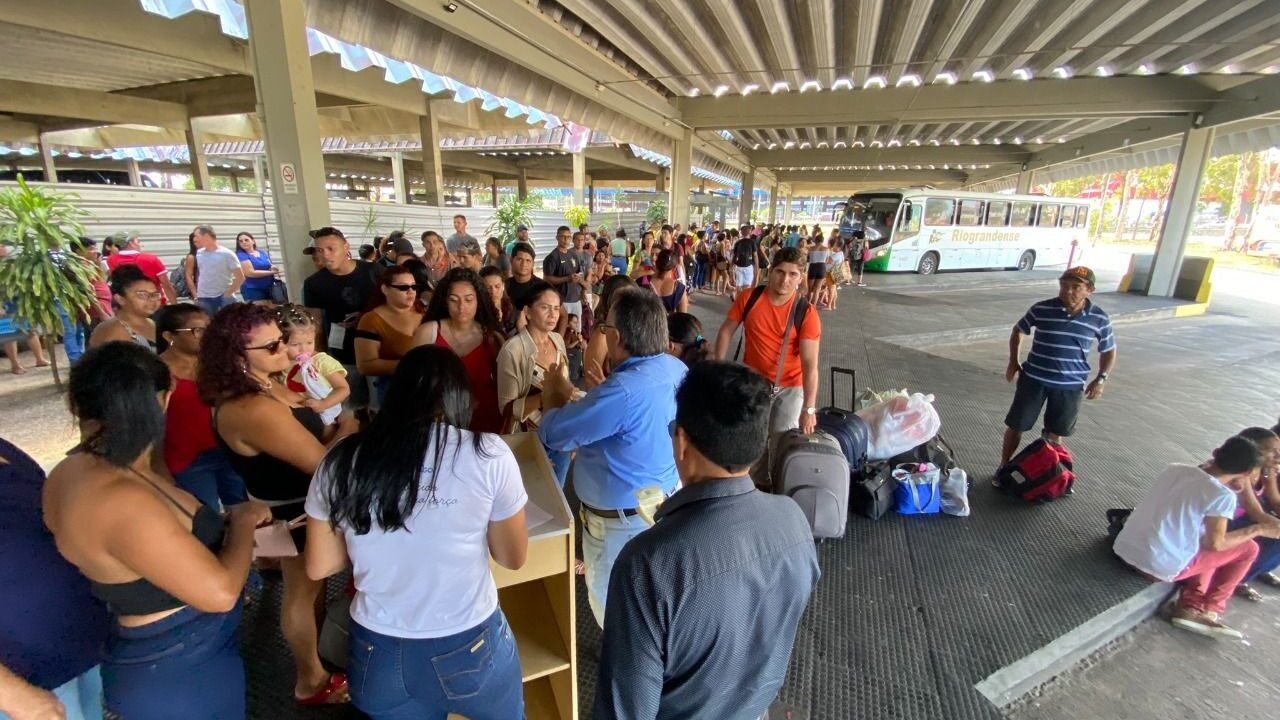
<point x="1010" y="683"/>
<point x="988" y="332"/>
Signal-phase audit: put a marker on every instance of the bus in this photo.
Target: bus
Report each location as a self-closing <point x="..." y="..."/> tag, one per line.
<point x="926" y="230"/>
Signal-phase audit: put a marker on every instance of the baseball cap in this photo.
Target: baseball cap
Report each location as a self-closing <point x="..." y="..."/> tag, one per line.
<point x="522" y="228"/>
<point x="1080" y="272"/>
<point x="402" y="246"/>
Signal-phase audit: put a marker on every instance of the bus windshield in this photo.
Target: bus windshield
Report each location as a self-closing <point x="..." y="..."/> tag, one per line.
<point x="873" y="214"/>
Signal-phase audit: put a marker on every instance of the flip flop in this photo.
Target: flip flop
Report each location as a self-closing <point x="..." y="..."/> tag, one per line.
<point x="1244" y="591"/>
<point x="334" y="692"/>
<point x="1270" y="579"/>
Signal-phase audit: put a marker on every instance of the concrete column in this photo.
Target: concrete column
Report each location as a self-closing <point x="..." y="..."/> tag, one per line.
<point x="1025" y="178"/>
<point x="591" y="197"/>
<point x="287" y="109"/>
<point x="522" y="184"/>
<point x="468" y="197"/>
<point x="748" y="196"/>
<point x="199" y="164"/>
<point x="260" y="173"/>
<point x="1181" y="210"/>
<point x="235" y="183"/>
<point x="46" y="162"/>
<point x="681" y="178"/>
<point x="431" y="169"/>
<point x="579" y="178"/>
<point x="773" y="203"/>
<point x="660" y="182"/>
<point x="401" y="184"/>
<point x="494" y="188"/>
<point x="786" y="212"/>
<point x="135" y="173"/>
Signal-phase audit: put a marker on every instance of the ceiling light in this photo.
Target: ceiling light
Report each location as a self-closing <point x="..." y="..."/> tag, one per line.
<point x="934" y="142"/>
<point x="773" y="145"/>
<point x="913" y="141"/>
<point x="788" y="144"/>
<point x="1103" y="71"/>
<point x="749" y="88"/>
<point x="808" y="85"/>
<point x="720" y="90"/>
<point x="1022" y="74"/>
<point x="804" y="145"/>
<point x="895" y="143"/>
<point x="451" y="7"/>
<point x="1017" y="140"/>
<point x="695" y="92"/>
<point x="841" y="143"/>
<point x="599" y="87"/>
<point x="1187" y="69"/>
<point x="822" y="144"/>
<point x="955" y="141"/>
<point x="995" y="141"/>
<point x="859" y="143"/>
<point x="876" y="143"/>
<point x="874" y="81"/>
<point x="756" y="146"/>
<point x="1228" y="70"/>
<point x="1062" y="72"/>
<point x="1144" y="69"/>
<point x="1271" y="70"/>
<point x="909" y="79"/>
<point x="946" y="78"/>
<point x="976" y="141"/>
<point x="779" y="87"/>
<point x="1039" y="139"/>
<point x="843" y="82"/>
<point x="1062" y="138"/>
<point x="984" y="76"/>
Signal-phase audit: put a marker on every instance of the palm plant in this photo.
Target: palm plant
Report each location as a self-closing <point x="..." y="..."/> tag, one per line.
<point x="511" y="213"/>
<point x="40" y="272"/>
<point x="656" y="212"/>
<point x="576" y="216"/>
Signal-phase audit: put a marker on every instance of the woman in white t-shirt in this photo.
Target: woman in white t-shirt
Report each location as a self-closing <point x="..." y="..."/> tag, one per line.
<point x="418" y="503"/>
<point x="1179" y="533"/>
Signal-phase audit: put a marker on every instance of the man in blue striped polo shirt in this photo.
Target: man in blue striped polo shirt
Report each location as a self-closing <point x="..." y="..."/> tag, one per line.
<point x="1056" y="370"/>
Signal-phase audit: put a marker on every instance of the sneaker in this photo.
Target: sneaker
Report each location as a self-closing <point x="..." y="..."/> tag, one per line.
<point x="1203" y="624"/>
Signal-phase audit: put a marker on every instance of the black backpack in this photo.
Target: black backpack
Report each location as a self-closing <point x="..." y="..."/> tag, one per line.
<point x="744" y="252"/>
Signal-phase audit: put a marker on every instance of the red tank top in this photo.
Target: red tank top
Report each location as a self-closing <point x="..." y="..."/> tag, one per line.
<point x="188" y="426"/>
<point x="481" y="367"/>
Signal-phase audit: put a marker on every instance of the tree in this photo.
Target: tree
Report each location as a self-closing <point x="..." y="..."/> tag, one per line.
<point x="576" y="216"/>
<point x="512" y="212"/>
<point x="40" y="272"/>
<point x="656" y="212"/>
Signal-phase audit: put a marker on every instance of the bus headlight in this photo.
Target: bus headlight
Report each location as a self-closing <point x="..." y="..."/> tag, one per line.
<point x="879" y="253"/>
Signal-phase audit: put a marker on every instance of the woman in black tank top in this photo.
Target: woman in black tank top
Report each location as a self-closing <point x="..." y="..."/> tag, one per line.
<point x="169" y="569"/>
<point x="275" y="445"/>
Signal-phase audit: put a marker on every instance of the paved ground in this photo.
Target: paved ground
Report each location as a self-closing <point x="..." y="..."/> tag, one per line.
<point x="913" y="612"/>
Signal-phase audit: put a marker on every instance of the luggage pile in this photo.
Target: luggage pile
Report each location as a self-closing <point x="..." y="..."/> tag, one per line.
<point x="885" y="456"/>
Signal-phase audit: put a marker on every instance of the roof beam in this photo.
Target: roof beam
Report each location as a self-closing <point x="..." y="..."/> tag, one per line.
<point x="1244" y="101"/>
<point x="53" y="101"/>
<point x="1009" y="100"/>
<point x="909" y="155"/>
<point x="516" y="30"/>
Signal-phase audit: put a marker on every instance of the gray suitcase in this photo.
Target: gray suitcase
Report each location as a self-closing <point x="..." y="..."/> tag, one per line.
<point x="813" y="471"/>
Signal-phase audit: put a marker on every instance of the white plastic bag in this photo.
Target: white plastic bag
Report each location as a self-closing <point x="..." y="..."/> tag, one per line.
<point x="899" y="424"/>
<point x="955" y="493"/>
<point x="870" y="397"/>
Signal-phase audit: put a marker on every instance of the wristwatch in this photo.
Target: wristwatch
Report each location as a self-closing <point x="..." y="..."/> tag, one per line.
<point x="811" y="411"/>
<point x="1102" y="377"/>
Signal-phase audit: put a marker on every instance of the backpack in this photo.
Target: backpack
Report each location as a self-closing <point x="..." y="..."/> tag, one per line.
<point x="179" y="280"/>
<point x="1041" y="472"/>
<point x="798" y="310"/>
<point x="744" y="252"/>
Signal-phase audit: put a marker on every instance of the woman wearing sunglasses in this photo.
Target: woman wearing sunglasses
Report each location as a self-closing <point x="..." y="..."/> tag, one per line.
<point x="275" y="442"/>
<point x="385" y="333"/>
<point x="136" y="299"/>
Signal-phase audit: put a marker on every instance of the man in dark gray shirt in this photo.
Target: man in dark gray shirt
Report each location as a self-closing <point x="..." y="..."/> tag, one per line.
<point x="703" y="606"/>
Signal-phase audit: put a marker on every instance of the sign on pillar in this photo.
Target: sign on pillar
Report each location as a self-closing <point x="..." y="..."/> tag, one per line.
<point x="289" y="178"/>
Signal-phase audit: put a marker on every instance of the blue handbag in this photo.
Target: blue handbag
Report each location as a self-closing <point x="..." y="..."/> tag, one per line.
<point x="919" y="489"/>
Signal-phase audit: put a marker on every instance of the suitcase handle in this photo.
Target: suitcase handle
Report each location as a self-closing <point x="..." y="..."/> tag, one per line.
<point x="853" y="385"/>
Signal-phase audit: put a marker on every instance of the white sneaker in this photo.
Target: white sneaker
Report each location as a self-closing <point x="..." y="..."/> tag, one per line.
<point x="1203" y="624"/>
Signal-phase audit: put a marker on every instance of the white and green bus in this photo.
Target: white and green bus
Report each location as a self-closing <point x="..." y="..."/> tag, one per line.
<point x="926" y="230"/>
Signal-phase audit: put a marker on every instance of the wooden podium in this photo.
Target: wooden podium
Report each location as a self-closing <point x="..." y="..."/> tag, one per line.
<point x="538" y="599"/>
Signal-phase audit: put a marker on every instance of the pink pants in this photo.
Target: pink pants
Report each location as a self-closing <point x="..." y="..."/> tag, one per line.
<point x="1213" y="575"/>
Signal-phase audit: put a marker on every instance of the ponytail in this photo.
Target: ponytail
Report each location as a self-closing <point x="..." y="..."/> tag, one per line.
<point x="128" y="418"/>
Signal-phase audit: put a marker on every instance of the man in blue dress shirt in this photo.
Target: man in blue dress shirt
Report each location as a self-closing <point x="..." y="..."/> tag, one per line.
<point x="621" y="432"/>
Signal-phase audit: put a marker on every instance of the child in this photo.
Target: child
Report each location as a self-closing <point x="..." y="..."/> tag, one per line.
<point x="314" y="374"/>
<point x="573" y="346"/>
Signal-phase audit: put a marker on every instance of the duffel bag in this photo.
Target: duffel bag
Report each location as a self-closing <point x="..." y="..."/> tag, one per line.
<point x="871" y="493"/>
<point x="1040" y="473"/>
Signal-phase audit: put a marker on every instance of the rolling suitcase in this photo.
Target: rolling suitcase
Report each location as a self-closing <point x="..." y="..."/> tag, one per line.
<point x="844" y="425"/>
<point x="812" y="470"/>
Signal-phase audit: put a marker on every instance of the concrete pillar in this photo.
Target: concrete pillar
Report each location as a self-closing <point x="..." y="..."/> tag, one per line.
<point x="681" y="178"/>
<point x="235" y="183"/>
<point x="1025" y="178"/>
<point x="260" y="173"/>
<point x="468" y="196"/>
<point x="748" y="196"/>
<point x="660" y="182"/>
<point x="591" y="197"/>
<point x="522" y="184"/>
<point x="431" y="169"/>
<point x="199" y="164"/>
<point x="46" y="162"/>
<point x="494" y="188"/>
<point x="773" y="203"/>
<point x="287" y="109"/>
<point x="398" y="179"/>
<point x="786" y="211"/>
<point x="1181" y="210"/>
<point x="579" y="178"/>
<point x="135" y="173"/>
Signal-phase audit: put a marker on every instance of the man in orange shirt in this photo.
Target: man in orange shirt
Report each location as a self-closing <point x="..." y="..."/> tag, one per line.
<point x="781" y="334"/>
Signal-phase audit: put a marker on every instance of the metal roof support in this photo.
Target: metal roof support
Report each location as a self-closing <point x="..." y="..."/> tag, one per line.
<point x="1197" y="143"/>
<point x="287" y="106"/>
<point x="432" y="171"/>
<point x="773" y="203"/>
<point x="195" y="151"/>
<point x="1025" y="178"/>
<point x="522" y="184"/>
<point x="681" y="173"/>
<point x="46" y="161"/>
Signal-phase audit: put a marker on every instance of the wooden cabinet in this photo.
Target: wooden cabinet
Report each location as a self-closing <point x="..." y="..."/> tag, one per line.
<point x="538" y="599"/>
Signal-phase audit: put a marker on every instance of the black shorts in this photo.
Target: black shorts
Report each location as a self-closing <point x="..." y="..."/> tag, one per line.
<point x="817" y="271"/>
<point x="1030" y="398"/>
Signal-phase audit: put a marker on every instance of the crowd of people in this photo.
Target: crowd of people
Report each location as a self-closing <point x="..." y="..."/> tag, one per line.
<point x="361" y="421"/>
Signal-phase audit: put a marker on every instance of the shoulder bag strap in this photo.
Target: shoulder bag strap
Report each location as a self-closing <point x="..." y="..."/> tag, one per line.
<point x="746" y="311"/>
<point x="786" y="336"/>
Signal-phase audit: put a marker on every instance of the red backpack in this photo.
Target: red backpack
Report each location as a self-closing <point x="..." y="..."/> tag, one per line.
<point x="1041" y="472"/>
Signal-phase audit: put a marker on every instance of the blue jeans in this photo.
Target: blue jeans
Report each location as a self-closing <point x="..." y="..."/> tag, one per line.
<point x="1268" y="551"/>
<point x="253" y="294"/>
<point x="184" y="666"/>
<point x="211" y="479"/>
<point x="74" y="336"/>
<point x="474" y="673"/>
<point x="602" y="540"/>
<point x="700" y="274"/>
<point x="212" y="305"/>
<point x="81" y="696"/>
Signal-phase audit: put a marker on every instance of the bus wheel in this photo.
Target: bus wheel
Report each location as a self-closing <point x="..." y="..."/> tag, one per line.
<point x="1027" y="261"/>
<point x="928" y="264"/>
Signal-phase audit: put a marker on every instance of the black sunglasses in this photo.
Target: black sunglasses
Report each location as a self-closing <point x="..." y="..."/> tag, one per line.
<point x="271" y="347"/>
<point x="403" y="288"/>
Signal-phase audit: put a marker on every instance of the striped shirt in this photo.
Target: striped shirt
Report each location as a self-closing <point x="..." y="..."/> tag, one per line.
<point x="1059" y="354"/>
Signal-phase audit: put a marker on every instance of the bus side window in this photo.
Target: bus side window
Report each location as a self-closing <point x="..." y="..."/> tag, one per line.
<point x="939" y="211"/>
<point x="997" y="213"/>
<point x="1082" y="216"/>
<point x="909" y="222"/>
<point x="1021" y="215"/>
<point x="1068" y="218"/>
<point x="970" y="212"/>
<point x="1048" y="216"/>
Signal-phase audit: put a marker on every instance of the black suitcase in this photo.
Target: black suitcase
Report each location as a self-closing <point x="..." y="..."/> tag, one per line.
<point x="871" y="493"/>
<point x="846" y="427"/>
